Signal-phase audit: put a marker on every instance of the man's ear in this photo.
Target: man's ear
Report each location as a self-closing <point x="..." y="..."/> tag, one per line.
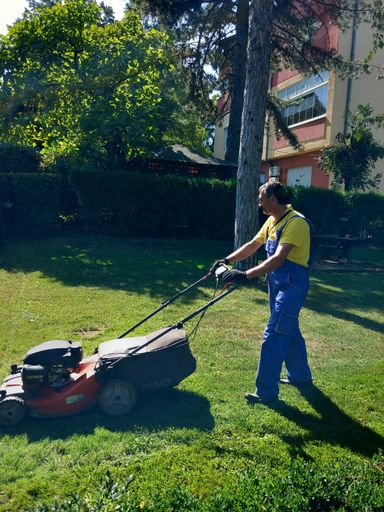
<point x="273" y="198"/>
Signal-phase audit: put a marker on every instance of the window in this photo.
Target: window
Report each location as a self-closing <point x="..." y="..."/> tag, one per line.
<point x="310" y="96"/>
<point x="225" y="137"/>
<point x="299" y="176"/>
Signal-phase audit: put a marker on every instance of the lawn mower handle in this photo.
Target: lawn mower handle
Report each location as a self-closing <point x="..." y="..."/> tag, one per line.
<point x="180" y="324"/>
<point x="166" y="303"/>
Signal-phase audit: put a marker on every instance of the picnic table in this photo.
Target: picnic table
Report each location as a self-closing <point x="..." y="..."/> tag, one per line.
<point x="336" y="245"/>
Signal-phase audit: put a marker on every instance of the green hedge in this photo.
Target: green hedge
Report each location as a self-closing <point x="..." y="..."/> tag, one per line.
<point x="29" y="203"/>
<point x="134" y="204"/>
<point x="366" y="214"/>
<point x="323" y="207"/>
<point x="15" y="158"/>
<point x="363" y="213"/>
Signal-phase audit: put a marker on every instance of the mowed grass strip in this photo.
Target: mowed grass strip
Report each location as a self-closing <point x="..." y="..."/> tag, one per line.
<point x="201" y="435"/>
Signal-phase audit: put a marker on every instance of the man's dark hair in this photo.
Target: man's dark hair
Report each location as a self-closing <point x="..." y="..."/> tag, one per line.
<point x="274" y="188"/>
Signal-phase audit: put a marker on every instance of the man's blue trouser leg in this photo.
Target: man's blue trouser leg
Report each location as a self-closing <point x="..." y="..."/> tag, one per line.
<point x="283" y="341"/>
<point x="296" y="360"/>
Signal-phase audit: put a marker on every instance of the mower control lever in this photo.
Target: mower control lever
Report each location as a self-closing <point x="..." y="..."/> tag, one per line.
<point x="220" y="271"/>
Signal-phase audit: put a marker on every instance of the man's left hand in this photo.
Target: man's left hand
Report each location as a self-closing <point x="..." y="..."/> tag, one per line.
<point x="235" y="276"/>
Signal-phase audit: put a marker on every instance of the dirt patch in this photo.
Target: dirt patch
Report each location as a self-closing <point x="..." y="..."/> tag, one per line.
<point x="88" y="332"/>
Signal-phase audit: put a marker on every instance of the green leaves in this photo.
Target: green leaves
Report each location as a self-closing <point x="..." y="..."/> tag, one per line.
<point x="74" y="85"/>
<point x="352" y="157"/>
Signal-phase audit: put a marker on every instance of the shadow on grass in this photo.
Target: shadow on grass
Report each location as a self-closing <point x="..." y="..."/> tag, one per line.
<point x="333" y="427"/>
<point x="335" y="294"/>
<point x="158" y="268"/>
<point x="167" y="409"/>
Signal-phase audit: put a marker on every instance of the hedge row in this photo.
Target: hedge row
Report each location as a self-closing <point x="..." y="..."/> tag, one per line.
<point x="30" y="203"/>
<point x="16" y="158"/>
<point x="141" y="204"/>
<point x="134" y="204"/>
<point x="334" y="212"/>
<point x="125" y="204"/>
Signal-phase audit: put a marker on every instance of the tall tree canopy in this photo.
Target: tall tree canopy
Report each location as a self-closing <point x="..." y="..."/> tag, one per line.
<point x="216" y="33"/>
<point x="78" y="85"/>
<point x="296" y="35"/>
<point x="198" y="28"/>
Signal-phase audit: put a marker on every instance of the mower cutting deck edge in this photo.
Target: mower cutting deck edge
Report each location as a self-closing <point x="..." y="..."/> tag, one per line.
<point x="55" y="380"/>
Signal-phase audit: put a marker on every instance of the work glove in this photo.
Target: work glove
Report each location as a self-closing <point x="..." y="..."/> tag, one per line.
<point x="235" y="276"/>
<point x="217" y="264"/>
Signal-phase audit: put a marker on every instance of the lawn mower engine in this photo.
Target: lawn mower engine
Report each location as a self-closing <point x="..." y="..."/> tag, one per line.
<point x="49" y="364"/>
<point x="46" y="384"/>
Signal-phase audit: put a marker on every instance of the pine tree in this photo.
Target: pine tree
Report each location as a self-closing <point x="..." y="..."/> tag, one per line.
<point x="290" y="39"/>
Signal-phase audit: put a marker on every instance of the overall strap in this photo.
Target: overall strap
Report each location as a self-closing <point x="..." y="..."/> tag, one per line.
<point x="281" y="218"/>
<point x="279" y="232"/>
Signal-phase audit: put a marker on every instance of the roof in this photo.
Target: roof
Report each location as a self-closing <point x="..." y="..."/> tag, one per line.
<point x="180" y="153"/>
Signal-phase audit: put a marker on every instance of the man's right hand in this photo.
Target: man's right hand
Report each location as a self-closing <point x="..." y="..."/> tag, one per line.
<point x="217" y="264"/>
<point x="235" y="277"/>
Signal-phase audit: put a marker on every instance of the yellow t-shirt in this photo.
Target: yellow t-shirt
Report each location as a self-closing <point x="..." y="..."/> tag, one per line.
<point x="295" y="231"/>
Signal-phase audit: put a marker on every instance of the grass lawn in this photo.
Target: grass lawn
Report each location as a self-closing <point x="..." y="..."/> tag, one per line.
<point x="201" y="437"/>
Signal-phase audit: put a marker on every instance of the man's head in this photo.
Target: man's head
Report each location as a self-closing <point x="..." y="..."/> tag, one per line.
<point x="273" y="197"/>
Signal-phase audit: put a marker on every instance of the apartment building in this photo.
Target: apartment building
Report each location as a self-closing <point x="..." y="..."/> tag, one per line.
<point x="319" y="113"/>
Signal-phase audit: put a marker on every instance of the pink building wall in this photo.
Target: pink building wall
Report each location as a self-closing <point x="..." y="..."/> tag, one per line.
<point x="312" y="130"/>
<point x="319" y="178"/>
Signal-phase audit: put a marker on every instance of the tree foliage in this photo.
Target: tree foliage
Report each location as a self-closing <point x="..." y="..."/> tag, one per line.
<point x="215" y="33"/>
<point x="37" y="6"/>
<point x="300" y="38"/>
<point x="74" y="85"/>
<point x="198" y="29"/>
<point x="352" y="157"/>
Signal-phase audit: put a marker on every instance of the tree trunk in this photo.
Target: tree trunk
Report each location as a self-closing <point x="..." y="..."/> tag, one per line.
<point x="253" y="122"/>
<point x="238" y="81"/>
<point x="347" y="184"/>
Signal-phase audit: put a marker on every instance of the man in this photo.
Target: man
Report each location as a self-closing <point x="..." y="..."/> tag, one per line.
<point x="286" y="235"/>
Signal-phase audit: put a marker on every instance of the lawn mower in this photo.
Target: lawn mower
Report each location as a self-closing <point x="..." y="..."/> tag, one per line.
<point x="55" y="379"/>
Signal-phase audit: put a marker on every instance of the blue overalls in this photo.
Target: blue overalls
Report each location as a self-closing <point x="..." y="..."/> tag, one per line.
<point x="283" y="342"/>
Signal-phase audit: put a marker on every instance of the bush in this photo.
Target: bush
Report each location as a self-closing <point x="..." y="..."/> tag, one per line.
<point x="30" y="203"/>
<point x="147" y="205"/>
<point x="324" y="208"/>
<point x="133" y="204"/>
<point x="15" y="158"/>
<point x="333" y="212"/>
<point x="366" y="215"/>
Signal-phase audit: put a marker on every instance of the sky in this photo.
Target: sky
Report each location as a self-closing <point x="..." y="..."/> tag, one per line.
<point x="12" y="9"/>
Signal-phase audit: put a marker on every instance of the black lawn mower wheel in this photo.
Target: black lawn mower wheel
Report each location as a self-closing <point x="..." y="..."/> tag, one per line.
<point x="117" y="397"/>
<point x="12" y="411"/>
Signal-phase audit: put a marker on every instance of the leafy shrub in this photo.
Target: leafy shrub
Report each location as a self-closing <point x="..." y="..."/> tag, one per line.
<point x="366" y="215"/>
<point x="333" y="212"/>
<point x="15" y="158"/>
<point x="323" y="207"/>
<point x="32" y="203"/>
<point x="138" y="204"/>
<point x="68" y="202"/>
<point x="134" y="204"/>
